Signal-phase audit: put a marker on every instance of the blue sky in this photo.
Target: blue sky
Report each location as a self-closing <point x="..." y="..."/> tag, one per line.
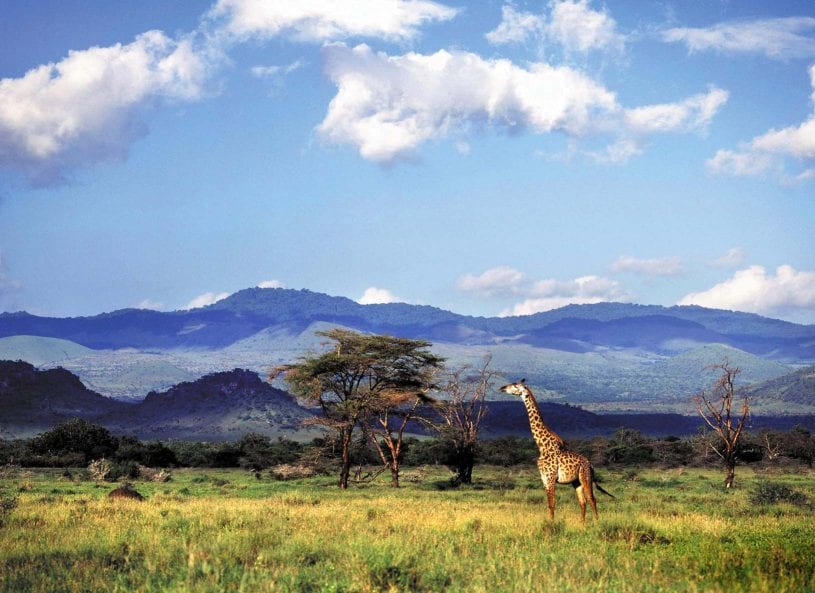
<point x="489" y="158"/>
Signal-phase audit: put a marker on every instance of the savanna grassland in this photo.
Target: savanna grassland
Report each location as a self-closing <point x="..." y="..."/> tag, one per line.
<point x="225" y="530"/>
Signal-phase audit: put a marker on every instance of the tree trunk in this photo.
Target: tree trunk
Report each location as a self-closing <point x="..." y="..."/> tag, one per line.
<point x="466" y="460"/>
<point x="395" y="474"/>
<point x="730" y="467"/>
<point x="345" y="471"/>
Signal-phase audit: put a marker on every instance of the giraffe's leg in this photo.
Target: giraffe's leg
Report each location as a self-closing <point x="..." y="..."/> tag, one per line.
<point x="550" y="494"/>
<point x="588" y="491"/>
<point x="581" y="499"/>
<point x="549" y="486"/>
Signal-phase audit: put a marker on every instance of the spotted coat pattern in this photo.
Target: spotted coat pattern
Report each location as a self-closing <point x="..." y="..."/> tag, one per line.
<point x="556" y="464"/>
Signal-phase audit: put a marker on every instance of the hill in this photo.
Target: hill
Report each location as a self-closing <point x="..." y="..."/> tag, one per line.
<point x="577" y="328"/>
<point x="221" y="406"/>
<point x="793" y="389"/>
<point x="606" y="356"/>
<point x="32" y="400"/>
<point x="40" y="351"/>
<point x="217" y="407"/>
<point x="226" y="405"/>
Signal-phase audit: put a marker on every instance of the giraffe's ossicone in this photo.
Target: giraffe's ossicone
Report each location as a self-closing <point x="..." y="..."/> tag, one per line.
<point x="556" y="464"/>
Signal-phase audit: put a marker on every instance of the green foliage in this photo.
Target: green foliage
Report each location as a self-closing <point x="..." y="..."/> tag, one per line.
<point x="75" y="436"/>
<point x="8" y="502"/>
<point x="629" y="446"/>
<point x="766" y="493"/>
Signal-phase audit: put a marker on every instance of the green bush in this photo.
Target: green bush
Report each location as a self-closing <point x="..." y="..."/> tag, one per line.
<point x="770" y="493"/>
<point x="8" y="502"/>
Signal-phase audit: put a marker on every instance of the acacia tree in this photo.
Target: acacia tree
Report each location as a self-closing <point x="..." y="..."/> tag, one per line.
<point x="360" y="377"/>
<point x="465" y="405"/>
<point x="386" y="426"/>
<point x="717" y="411"/>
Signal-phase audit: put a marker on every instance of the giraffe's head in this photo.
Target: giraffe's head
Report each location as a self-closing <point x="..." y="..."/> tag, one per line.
<point x="520" y="389"/>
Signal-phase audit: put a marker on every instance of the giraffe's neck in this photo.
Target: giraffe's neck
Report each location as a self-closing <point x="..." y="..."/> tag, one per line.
<point x="546" y="439"/>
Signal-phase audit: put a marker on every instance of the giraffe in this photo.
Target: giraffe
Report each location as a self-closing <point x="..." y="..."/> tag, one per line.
<point x="555" y="463"/>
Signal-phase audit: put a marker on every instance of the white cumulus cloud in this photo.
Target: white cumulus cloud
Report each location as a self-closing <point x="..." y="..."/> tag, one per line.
<point x="327" y="20"/>
<point x="579" y="28"/>
<point x="664" y="266"/>
<point x="378" y="296"/>
<point x="780" y="38"/>
<point x="208" y="298"/>
<point x="87" y="107"/>
<point x="500" y="281"/>
<point x="788" y="293"/>
<point x="387" y="105"/>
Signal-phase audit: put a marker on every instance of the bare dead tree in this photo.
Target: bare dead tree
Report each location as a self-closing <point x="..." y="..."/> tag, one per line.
<point x="717" y="411"/>
<point x="462" y="412"/>
<point x="773" y="449"/>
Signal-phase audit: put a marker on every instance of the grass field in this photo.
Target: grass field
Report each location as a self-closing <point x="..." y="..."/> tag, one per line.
<point x="224" y="530"/>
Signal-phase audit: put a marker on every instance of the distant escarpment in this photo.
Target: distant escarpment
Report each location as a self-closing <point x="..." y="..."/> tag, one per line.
<point x="219" y="406"/>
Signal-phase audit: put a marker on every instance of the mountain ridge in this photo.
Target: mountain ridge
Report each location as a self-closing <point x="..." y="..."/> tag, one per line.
<point x="252" y="310"/>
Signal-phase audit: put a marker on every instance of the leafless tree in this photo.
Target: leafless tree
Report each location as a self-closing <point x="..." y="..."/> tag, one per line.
<point x="462" y="411"/>
<point x="773" y="449"/>
<point x="717" y="411"/>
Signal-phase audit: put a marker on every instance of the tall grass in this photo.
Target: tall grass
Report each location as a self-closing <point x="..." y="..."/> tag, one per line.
<point x="227" y="531"/>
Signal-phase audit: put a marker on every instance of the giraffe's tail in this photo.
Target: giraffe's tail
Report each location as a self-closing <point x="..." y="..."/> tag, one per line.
<point x="599" y="487"/>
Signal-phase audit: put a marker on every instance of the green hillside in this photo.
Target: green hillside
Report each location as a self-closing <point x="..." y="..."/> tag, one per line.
<point x="40" y="351"/>
<point x="796" y="388"/>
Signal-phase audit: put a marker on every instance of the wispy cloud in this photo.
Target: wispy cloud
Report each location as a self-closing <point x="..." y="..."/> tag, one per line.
<point x="768" y="151"/>
<point x="378" y="296"/>
<point x="208" y="298"/>
<point x="665" y="266"/>
<point x="495" y="282"/>
<point x="549" y="294"/>
<point x="573" y="25"/>
<point x="271" y="284"/>
<point x="505" y="282"/>
<point x="692" y="114"/>
<point x="150" y="305"/>
<point x="276" y="71"/>
<point x="781" y="38"/>
<point x="789" y="293"/>
<point x="733" y="258"/>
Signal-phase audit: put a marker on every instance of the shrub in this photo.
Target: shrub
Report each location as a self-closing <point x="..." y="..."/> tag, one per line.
<point x="75" y="436"/>
<point x="9" y="470"/>
<point x="288" y="471"/>
<point x="99" y="469"/>
<point x="8" y="502"/>
<point x="153" y="475"/>
<point x="770" y="493"/>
